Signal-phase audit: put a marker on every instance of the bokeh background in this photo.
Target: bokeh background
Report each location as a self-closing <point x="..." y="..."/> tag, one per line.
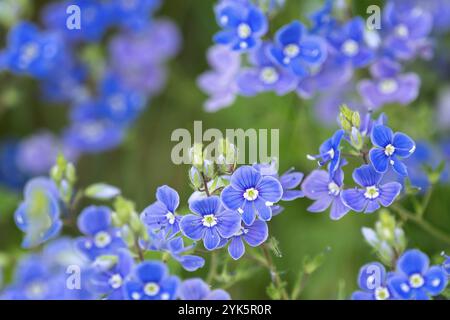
<point x="142" y="162"/>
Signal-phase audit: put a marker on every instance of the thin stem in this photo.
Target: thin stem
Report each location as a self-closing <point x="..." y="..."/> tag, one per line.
<point x="274" y="273"/>
<point x="205" y="184"/>
<point x="138" y="249"/>
<point x="426" y="202"/>
<point x="212" y="268"/>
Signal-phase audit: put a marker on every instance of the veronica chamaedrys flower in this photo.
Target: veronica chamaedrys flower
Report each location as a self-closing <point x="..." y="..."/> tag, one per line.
<point x="133" y="14"/>
<point x="220" y="82"/>
<point x="108" y="278"/>
<point x="243" y="25"/>
<point x="265" y="75"/>
<point x="329" y="152"/>
<point x="415" y="279"/>
<point x="325" y="191"/>
<point x="372" y="282"/>
<point x="162" y="213"/>
<point x="254" y="235"/>
<point x="150" y="280"/>
<point x="388" y="148"/>
<point x="349" y="43"/>
<point x="100" y="235"/>
<point x="209" y="222"/>
<point x="252" y="194"/>
<point x="388" y="85"/>
<point x="322" y="20"/>
<point x="372" y="194"/>
<point x="197" y="289"/>
<point x="297" y="51"/>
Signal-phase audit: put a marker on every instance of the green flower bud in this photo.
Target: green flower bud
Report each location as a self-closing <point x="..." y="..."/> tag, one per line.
<point x="196" y="178"/>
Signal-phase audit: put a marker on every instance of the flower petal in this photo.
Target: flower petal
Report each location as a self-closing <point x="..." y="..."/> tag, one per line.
<point x="388" y="193"/>
<point x="192" y="227"/>
<point x="382" y="136"/>
<point x="435" y="280"/>
<point x="211" y="238"/>
<point x="290" y="34"/>
<point x="315" y="185"/>
<point x="245" y="177"/>
<point x="399" y="285"/>
<point x="228" y="223"/>
<point x="399" y="167"/>
<point x="379" y="160"/>
<point x="256" y="234"/>
<point x="321" y="205"/>
<point x="366" y="176"/>
<point x="94" y="219"/>
<point x="169" y="197"/>
<point x="151" y="271"/>
<point x="205" y="206"/>
<point x="354" y="199"/>
<point x="232" y="198"/>
<point x="193" y="289"/>
<point x="404" y="145"/>
<point x="236" y="249"/>
<point x="412" y="262"/>
<point x="269" y="189"/>
<point x="264" y="211"/>
<point x="249" y="213"/>
<point x="338" y="209"/>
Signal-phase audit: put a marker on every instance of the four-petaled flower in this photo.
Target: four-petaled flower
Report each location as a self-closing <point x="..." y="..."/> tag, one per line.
<point x="197" y="289"/>
<point x="329" y="152"/>
<point x="254" y="235"/>
<point x="250" y="193"/>
<point x="369" y="198"/>
<point x="210" y="222"/>
<point x="372" y="280"/>
<point x="389" y="147"/>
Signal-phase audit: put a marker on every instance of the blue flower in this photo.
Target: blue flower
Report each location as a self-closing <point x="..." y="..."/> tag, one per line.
<point x="350" y="45"/>
<point x="197" y="289"/>
<point x="297" y="51"/>
<point x="209" y="222"/>
<point x="134" y="14"/>
<point x="289" y="181"/>
<point x="250" y="194"/>
<point x="415" y="279"/>
<point x="323" y="22"/>
<point x="108" y="279"/>
<point x="373" y="194"/>
<point x="150" y="281"/>
<point x="372" y="281"/>
<point x="11" y="174"/>
<point x="38" y="216"/>
<point x="253" y="235"/>
<point x="162" y="213"/>
<point x="389" y="147"/>
<point x="244" y="25"/>
<point x="100" y="236"/>
<point x="325" y="191"/>
<point x="329" y="152"/>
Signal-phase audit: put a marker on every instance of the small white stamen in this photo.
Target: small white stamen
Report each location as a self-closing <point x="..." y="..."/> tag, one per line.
<point x="388" y="86"/>
<point x="416" y="280"/>
<point x="244" y="31"/>
<point x="291" y="50"/>
<point x="350" y="48"/>
<point x="102" y="239"/>
<point x="372" y="192"/>
<point x="269" y="75"/>
<point x="209" y="220"/>
<point x="151" y="289"/>
<point x="389" y="150"/>
<point x="333" y="189"/>
<point x="382" y="293"/>
<point x="171" y="217"/>
<point x="251" y="194"/>
<point x="115" y="281"/>
<point x="402" y="31"/>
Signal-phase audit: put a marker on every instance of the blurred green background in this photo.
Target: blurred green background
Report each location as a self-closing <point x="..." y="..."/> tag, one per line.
<point x="142" y="162"/>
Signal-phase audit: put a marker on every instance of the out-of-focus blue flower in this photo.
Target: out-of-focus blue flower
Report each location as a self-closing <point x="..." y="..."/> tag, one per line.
<point x="10" y="173"/>
<point x="415" y="279"/>
<point x="243" y="25"/>
<point x="253" y="235"/>
<point x="162" y="213"/>
<point x="220" y="82"/>
<point x="323" y="22"/>
<point x="210" y="222"/>
<point x="38" y="216"/>
<point x="330" y="152"/>
<point x="252" y="194"/>
<point x="150" y="281"/>
<point x="388" y="86"/>
<point x="133" y="14"/>
<point x="349" y="43"/>
<point x="100" y="236"/>
<point x="372" y="281"/>
<point x="369" y="198"/>
<point x="388" y="148"/>
<point x="265" y="75"/>
<point x="197" y="289"/>
<point x="297" y="51"/>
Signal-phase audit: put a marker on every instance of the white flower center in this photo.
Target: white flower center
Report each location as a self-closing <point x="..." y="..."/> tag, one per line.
<point x="92" y="131"/>
<point x="151" y="289"/>
<point x="436" y="282"/>
<point x="29" y="52"/>
<point x="36" y="290"/>
<point x="136" y="296"/>
<point x="251" y="194"/>
<point x="102" y="239"/>
<point x="389" y="150"/>
<point x="350" y="48"/>
<point x="244" y="31"/>
<point x="416" y="280"/>
<point x="331" y="153"/>
<point x="269" y="75"/>
<point x="115" y="281"/>
<point x="388" y="86"/>
<point x="372" y="192"/>
<point x="209" y="220"/>
<point x="381" y="293"/>
<point x="117" y="103"/>
<point x="170" y="217"/>
<point x="291" y="50"/>
<point x="333" y="189"/>
<point x="165" y="296"/>
<point x="404" y="287"/>
<point x="402" y="31"/>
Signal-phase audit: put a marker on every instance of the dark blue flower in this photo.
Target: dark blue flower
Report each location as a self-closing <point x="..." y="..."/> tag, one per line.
<point x="323" y="22"/>
<point x="330" y="151"/>
<point x="372" y="281"/>
<point x="415" y="279"/>
<point x="100" y="236"/>
<point x="197" y="289"/>
<point x="243" y="24"/>
<point x="253" y="235"/>
<point x="250" y="194"/>
<point x="369" y="198"/>
<point x="150" y="281"/>
<point x="133" y="14"/>
<point x="296" y="50"/>
<point x="209" y="222"/>
<point x="388" y="148"/>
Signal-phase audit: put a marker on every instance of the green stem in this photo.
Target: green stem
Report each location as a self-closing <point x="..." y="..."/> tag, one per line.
<point x="212" y="268"/>
<point x="274" y="273"/>
<point x="426" y="202"/>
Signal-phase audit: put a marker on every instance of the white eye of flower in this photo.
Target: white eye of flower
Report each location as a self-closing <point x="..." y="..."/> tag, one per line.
<point x="209" y="220"/>
<point x="29" y="52"/>
<point x="389" y="150"/>
<point x="404" y="287"/>
<point x="416" y="280"/>
<point x="402" y="31"/>
<point x="350" y="48"/>
<point x="92" y="131"/>
<point x="372" y="192"/>
<point x="251" y="194"/>
<point x="436" y="282"/>
<point x="165" y="296"/>
<point x="117" y="103"/>
<point x="151" y="289"/>
<point x="115" y="281"/>
<point x="381" y="293"/>
<point x="269" y="75"/>
<point x="102" y="239"/>
<point x="136" y="296"/>
<point x="244" y="31"/>
<point x="331" y="153"/>
<point x="333" y="189"/>
<point x="36" y="290"/>
<point x="291" y="50"/>
<point x="171" y="217"/>
<point x="388" y="86"/>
